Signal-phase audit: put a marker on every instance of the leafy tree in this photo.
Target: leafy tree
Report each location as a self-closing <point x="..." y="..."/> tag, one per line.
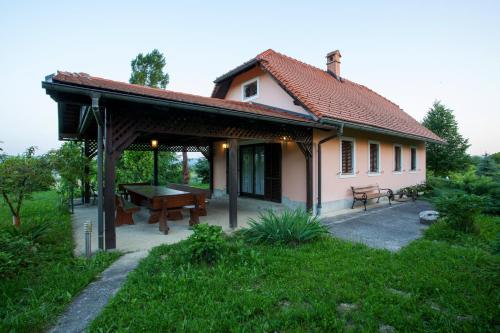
<point x="202" y="170"/>
<point x="137" y="166"/>
<point x="487" y="167"/>
<point x="22" y="175"/>
<point x="133" y="166"/>
<point x="451" y="156"/>
<point x="496" y="157"/>
<point x="69" y="162"/>
<point x="147" y="70"/>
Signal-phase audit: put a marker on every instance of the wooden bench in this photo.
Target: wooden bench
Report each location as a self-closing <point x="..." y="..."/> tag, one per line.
<point x="365" y="193"/>
<point x="124" y="211"/>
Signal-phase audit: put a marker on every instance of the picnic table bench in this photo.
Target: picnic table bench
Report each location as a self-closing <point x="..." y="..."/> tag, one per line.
<point x="365" y="193"/>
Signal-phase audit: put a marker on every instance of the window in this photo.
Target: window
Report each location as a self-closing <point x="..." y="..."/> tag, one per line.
<point x="413" y="159"/>
<point x="373" y="157"/>
<point x="347" y="158"/>
<point x="250" y="89"/>
<point x="398" y="158"/>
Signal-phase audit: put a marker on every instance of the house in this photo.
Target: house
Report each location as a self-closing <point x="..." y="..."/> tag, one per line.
<point x="375" y="141"/>
<point x="274" y="129"/>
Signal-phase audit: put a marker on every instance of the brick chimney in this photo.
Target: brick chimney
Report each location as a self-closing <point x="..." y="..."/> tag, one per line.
<point x="333" y="62"/>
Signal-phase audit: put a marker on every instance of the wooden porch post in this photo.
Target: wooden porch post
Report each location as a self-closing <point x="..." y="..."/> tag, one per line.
<point x="211" y="166"/>
<point x="155" y="166"/>
<point x="233" y="183"/>
<point x="109" y="193"/>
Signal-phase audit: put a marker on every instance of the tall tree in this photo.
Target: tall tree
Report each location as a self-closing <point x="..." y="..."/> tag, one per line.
<point x="487" y="167"/>
<point x="20" y="176"/>
<point x="147" y="70"/>
<point x="451" y="156"/>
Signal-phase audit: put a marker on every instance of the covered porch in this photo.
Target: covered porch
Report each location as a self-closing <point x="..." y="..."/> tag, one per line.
<point x="111" y="117"/>
<point x="144" y="236"/>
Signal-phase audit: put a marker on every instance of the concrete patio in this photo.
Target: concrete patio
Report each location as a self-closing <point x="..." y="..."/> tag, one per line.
<point x="144" y="236"/>
<point x="385" y="227"/>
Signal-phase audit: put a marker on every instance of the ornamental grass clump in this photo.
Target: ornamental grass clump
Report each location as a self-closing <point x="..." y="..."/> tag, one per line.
<point x="288" y="227"/>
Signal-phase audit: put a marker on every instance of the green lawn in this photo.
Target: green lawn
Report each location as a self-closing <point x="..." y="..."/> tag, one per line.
<point x="431" y="286"/>
<point x="32" y="300"/>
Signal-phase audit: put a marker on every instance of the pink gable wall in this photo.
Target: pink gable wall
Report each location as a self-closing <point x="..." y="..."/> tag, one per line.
<point x="270" y="93"/>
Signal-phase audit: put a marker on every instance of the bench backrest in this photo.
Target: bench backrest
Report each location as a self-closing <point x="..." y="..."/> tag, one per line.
<point x="366" y="189"/>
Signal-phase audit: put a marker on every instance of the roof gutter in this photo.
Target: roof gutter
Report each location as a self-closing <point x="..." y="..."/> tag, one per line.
<point x="328" y="121"/>
<point x="170" y="103"/>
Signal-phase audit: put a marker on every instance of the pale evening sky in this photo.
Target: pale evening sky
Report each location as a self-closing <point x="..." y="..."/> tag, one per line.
<point x="411" y="53"/>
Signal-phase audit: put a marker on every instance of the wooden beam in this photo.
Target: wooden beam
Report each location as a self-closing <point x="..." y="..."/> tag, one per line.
<point x="233" y="183"/>
<point x="309" y="184"/>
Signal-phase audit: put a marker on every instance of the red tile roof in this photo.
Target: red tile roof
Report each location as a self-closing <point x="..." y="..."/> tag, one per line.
<point x="85" y="80"/>
<point x="327" y="97"/>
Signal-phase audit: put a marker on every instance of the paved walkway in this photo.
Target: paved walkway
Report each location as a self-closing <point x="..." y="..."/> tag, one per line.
<point x="96" y="295"/>
<point x="387" y="227"/>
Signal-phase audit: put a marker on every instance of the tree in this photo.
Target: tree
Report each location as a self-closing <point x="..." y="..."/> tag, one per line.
<point x="133" y="166"/>
<point x="22" y="175"/>
<point x="449" y="157"/>
<point x="487" y="167"/>
<point x="496" y="157"/>
<point x="202" y="170"/>
<point x="69" y="162"/>
<point x="147" y="70"/>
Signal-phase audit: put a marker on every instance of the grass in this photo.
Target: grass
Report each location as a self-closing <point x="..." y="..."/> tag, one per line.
<point x="33" y="299"/>
<point x="203" y="186"/>
<point x="428" y="286"/>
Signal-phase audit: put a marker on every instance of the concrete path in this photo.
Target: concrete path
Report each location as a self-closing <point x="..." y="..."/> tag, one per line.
<point x="387" y="227"/>
<point x="96" y="295"/>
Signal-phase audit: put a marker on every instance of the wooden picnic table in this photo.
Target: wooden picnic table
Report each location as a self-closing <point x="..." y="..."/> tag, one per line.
<point x="160" y="198"/>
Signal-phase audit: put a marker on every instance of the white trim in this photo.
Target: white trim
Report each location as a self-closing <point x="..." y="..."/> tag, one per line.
<point x="401" y="159"/>
<point x="255" y="79"/>
<point x="416" y="159"/>
<point x="371" y="142"/>
<point x="353" y="174"/>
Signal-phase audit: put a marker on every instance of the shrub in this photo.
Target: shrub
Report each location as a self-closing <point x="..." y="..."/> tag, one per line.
<point x="289" y="227"/>
<point x="459" y="210"/>
<point x="207" y="243"/>
<point x="16" y="252"/>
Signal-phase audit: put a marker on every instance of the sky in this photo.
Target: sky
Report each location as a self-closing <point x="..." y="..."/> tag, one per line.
<point x="412" y="53"/>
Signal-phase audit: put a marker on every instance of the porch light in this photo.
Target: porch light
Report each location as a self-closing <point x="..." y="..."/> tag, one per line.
<point x="284" y="138"/>
<point x="154" y="144"/>
<point x="225" y="146"/>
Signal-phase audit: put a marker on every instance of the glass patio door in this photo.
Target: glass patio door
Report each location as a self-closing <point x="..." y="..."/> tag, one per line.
<point x="252" y="170"/>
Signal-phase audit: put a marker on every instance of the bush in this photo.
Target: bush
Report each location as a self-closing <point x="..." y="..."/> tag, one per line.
<point x="206" y="244"/>
<point x="289" y="227"/>
<point x="459" y="210"/>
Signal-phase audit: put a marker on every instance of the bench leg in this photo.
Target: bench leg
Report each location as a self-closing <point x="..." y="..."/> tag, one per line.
<point x="175" y="214"/>
<point x="194" y="216"/>
<point x="364" y="203"/>
<point x="378" y="199"/>
<point x="352" y="207"/>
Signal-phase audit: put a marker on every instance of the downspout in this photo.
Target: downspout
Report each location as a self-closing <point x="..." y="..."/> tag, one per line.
<point x="339" y="133"/>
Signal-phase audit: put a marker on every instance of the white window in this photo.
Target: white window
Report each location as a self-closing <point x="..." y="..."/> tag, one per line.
<point x="373" y="158"/>
<point x="250" y="90"/>
<point x="347" y="157"/>
<point x="398" y="158"/>
<point x="413" y="158"/>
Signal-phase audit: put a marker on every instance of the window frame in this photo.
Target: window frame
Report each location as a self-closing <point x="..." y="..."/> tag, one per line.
<point x="246" y="99"/>
<point x="416" y="159"/>
<point x="378" y="172"/>
<point x="353" y="174"/>
<point x="401" y="159"/>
